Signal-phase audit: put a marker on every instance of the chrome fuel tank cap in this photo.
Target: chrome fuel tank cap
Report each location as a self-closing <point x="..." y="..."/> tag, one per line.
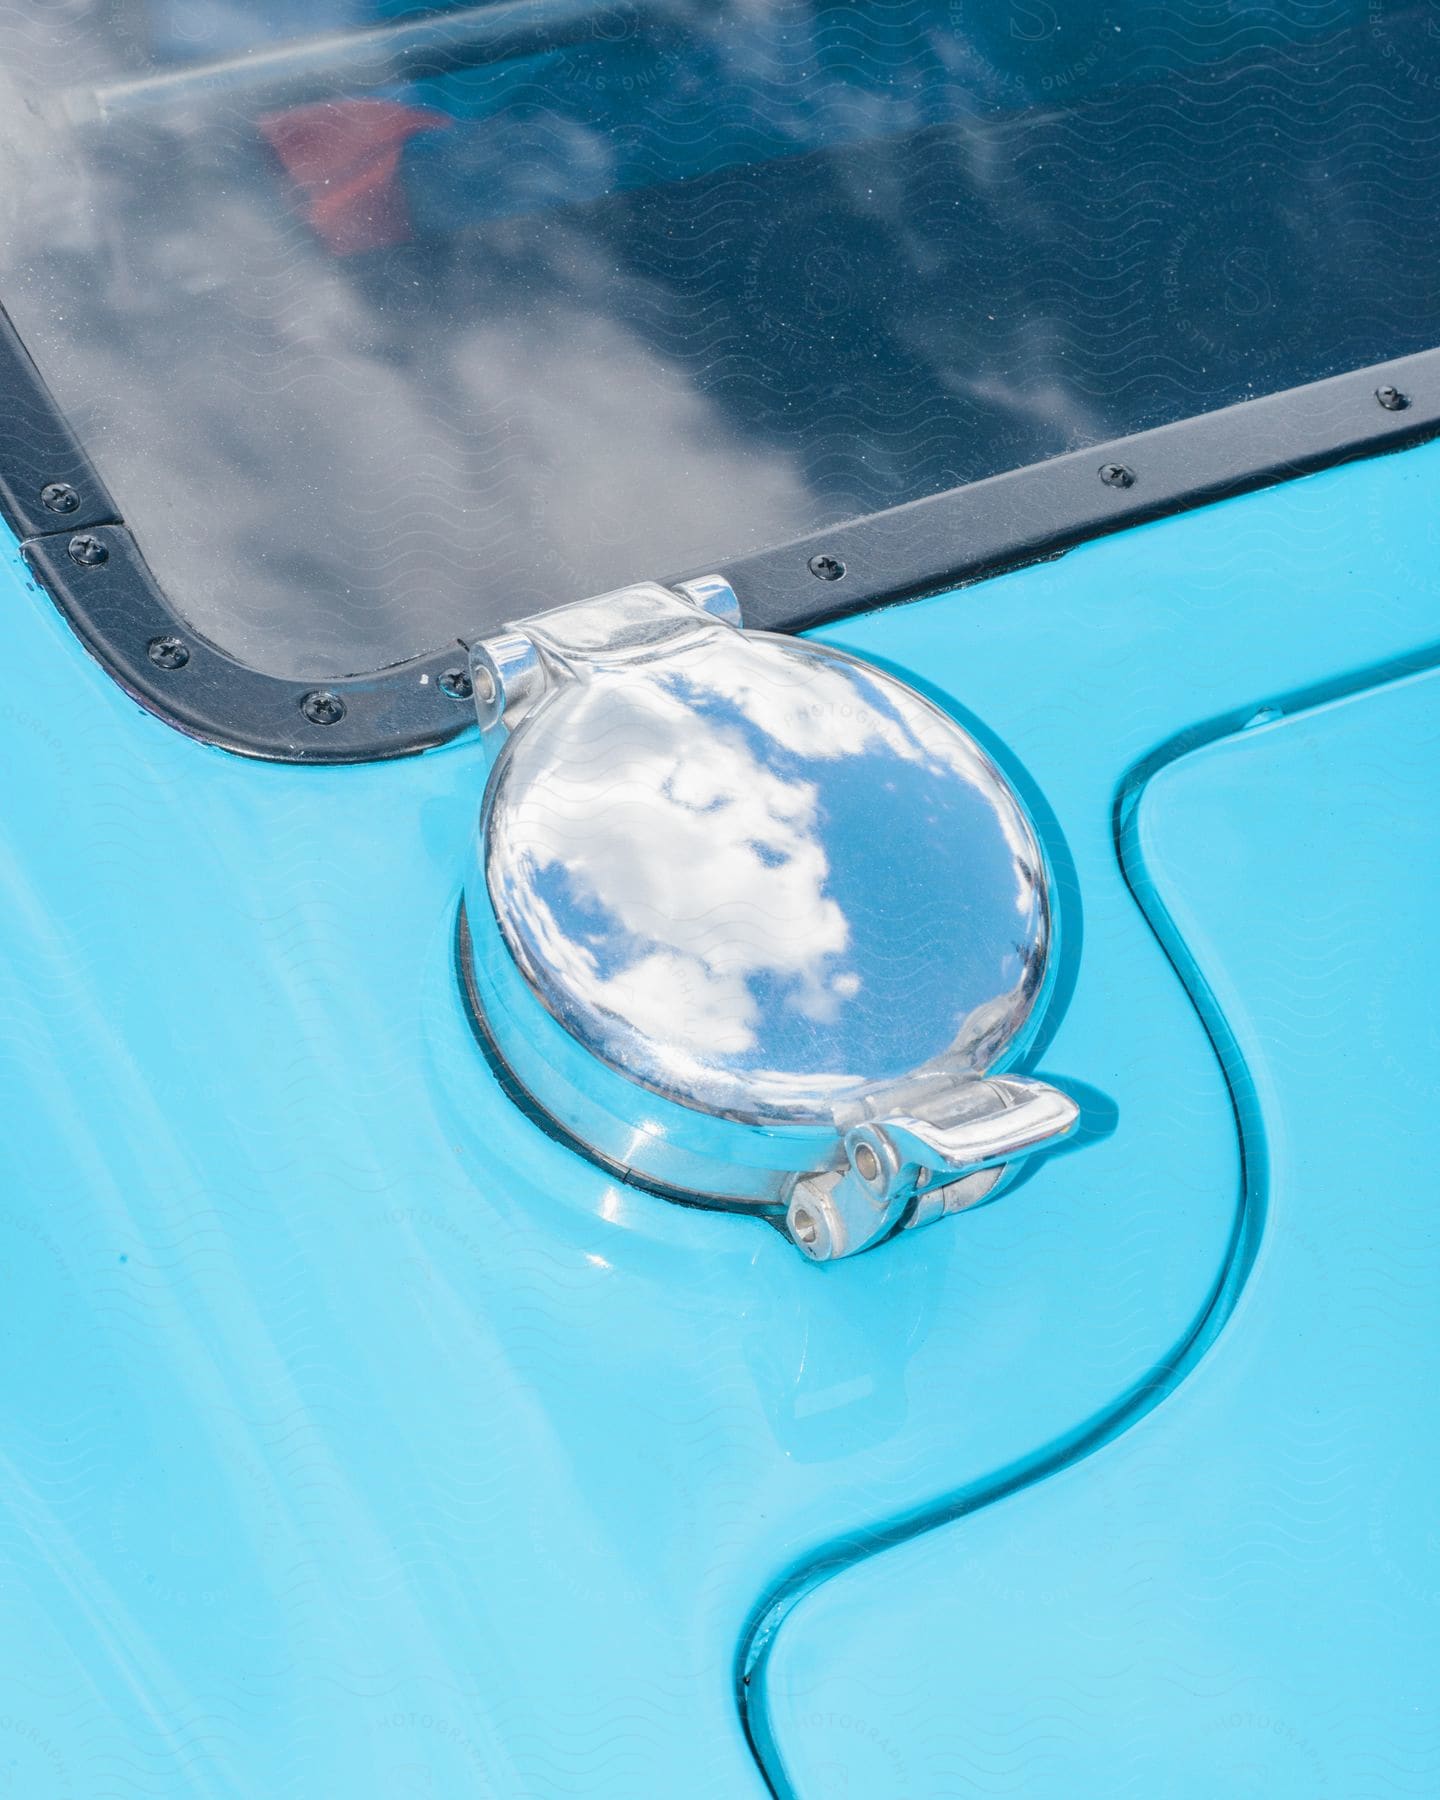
<point x="754" y="921"/>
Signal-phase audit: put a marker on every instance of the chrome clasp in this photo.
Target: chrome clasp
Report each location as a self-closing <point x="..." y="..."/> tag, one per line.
<point x="912" y="1168"/>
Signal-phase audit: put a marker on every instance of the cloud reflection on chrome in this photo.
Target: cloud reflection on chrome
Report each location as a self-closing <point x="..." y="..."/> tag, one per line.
<point x="711" y="875"/>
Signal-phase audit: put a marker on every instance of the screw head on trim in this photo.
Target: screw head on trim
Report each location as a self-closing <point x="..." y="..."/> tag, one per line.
<point x="321" y="707"/>
<point x="168" y="652"/>
<point x="1392" y="399"/>
<point x="827" y="568"/>
<point x="59" y="497"/>
<point x="88" y="551"/>
<point x="1117" y="475"/>
<point x="456" y="683"/>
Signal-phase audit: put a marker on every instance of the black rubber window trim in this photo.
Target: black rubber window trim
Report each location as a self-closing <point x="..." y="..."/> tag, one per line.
<point x="88" y="561"/>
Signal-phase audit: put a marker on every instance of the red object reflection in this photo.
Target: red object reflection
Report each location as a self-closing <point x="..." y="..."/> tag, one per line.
<point x="344" y="156"/>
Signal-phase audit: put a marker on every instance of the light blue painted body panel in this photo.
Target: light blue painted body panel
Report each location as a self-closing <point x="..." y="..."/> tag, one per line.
<point x="359" y="1439"/>
<point x="1241" y="1594"/>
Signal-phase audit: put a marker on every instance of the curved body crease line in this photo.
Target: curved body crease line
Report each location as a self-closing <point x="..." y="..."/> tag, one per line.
<point x="1235" y="1592"/>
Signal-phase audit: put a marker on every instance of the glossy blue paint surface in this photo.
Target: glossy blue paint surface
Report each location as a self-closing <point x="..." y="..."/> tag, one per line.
<point x="358" y="1439"/>
<point x="1241" y="1594"/>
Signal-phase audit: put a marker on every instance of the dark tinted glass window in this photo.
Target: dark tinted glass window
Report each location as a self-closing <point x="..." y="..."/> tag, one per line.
<point x="386" y="322"/>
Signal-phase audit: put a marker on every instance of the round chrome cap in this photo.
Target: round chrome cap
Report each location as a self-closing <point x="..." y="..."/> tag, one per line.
<point x="763" y="879"/>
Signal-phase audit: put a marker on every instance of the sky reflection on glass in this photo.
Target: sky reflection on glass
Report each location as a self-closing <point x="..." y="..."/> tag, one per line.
<point x="373" y="357"/>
